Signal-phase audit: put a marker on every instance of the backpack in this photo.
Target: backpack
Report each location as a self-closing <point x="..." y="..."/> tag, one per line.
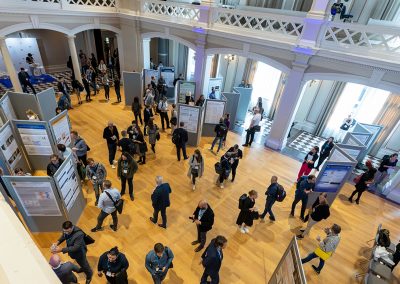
<point x="174" y="120"/>
<point x="300" y="181"/>
<point x="280" y="194"/>
<point x="221" y="130"/>
<point x="242" y="198"/>
<point x="176" y="137"/>
<point x="218" y="167"/>
<point x="383" y="238"/>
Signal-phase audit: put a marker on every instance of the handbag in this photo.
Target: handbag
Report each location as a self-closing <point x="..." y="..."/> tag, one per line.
<point x="119" y="205"/>
<point x="172" y="264"/>
<point x="322" y="254"/>
<point x="345" y="126"/>
<point x="257" y="128"/>
<point x="88" y="240"/>
<point x="357" y="179"/>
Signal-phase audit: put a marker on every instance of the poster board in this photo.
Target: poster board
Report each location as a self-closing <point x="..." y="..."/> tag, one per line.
<point x="147" y="74"/>
<point x="22" y="102"/>
<point x="191" y="116"/>
<point x="215" y="83"/>
<point x="214" y="110"/>
<point x="47" y="103"/>
<point x="375" y="130"/>
<point x="6" y="109"/>
<point x="183" y="88"/>
<point x="354" y="150"/>
<point x="132" y="89"/>
<point x="231" y="107"/>
<point x="11" y="151"/>
<point x="168" y="74"/>
<point x="60" y="128"/>
<point x="290" y="269"/>
<point x="244" y="102"/>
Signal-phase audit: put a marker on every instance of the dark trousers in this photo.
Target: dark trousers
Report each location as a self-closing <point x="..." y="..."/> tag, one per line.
<point x="112" y="150"/>
<point x="138" y="117"/>
<point x="28" y="84"/>
<point x="268" y="208"/>
<point x="214" y="277"/>
<point x="87" y="94"/>
<point x="201" y="237"/>
<point x="164" y="116"/>
<point x="123" y="185"/>
<point x="107" y="92"/>
<point x="194" y="178"/>
<point x="103" y="215"/>
<point x="118" y="93"/>
<point x="304" y="201"/>
<point x="158" y="278"/>
<point x="312" y="256"/>
<point x="221" y="177"/>
<point x="234" y="167"/>
<point x="178" y="151"/>
<point x="145" y="127"/>
<point x="250" y="135"/>
<point x="85" y="267"/>
<point x="163" y="215"/>
<point x="359" y="191"/>
<point x="83" y="159"/>
<point x="321" y="159"/>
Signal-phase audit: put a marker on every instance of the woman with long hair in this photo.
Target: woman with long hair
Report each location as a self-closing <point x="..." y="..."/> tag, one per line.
<point x="196" y="167"/>
<point x="154" y="135"/>
<point x="140" y="145"/>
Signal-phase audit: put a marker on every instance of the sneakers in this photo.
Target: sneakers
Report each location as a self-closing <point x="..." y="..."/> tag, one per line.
<point x="112" y="166"/>
<point x="221" y="186"/>
<point x="242" y="231"/>
<point x="315" y="269"/>
<point x="246" y="229"/>
<point x="194" y="187"/>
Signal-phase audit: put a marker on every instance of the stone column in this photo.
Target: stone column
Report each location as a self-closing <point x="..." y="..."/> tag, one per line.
<point x="121" y="55"/>
<point x="146" y="53"/>
<point x="74" y="57"/>
<point x="200" y="62"/>
<point x="10" y="65"/>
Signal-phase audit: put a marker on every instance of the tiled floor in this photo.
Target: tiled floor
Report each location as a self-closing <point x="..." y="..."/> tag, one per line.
<point x="266" y="123"/>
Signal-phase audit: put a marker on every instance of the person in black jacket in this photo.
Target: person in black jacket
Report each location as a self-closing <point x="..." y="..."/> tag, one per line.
<point x="308" y="163"/>
<point x="64" y="271"/>
<point x="325" y="152"/>
<point x="113" y="264"/>
<point x="271" y="194"/>
<point x="220" y="131"/>
<point x="76" y="247"/>
<point x="117" y="88"/>
<point x="212" y="260"/>
<point x="111" y="134"/>
<point x="86" y="85"/>
<point x="319" y="212"/>
<point x="126" y="144"/>
<point x="147" y="114"/>
<point x="248" y="212"/>
<point x="225" y="168"/>
<point x="55" y="163"/>
<point x="364" y="181"/>
<point x="203" y="217"/>
<point x="180" y="138"/>
<point x="24" y="77"/>
<point x="160" y="201"/>
<point x="236" y="155"/>
<point x="136" y="109"/>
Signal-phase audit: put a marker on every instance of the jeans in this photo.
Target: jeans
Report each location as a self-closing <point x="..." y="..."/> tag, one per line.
<point x="201" y="237"/>
<point x="97" y="186"/>
<point x="178" y="151"/>
<point x="221" y="139"/>
<point x="304" y="200"/>
<point x="112" y="150"/>
<point x="138" y="117"/>
<point x="214" y="278"/>
<point x="85" y="267"/>
<point x="312" y="256"/>
<point x="123" y="185"/>
<point x="107" y="92"/>
<point x="103" y="215"/>
<point x="250" y="135"/>
<point x="234" y="167"/>
<point x="164" y="116"/>
<point x="163" y="215"/>
<point x="158" y="278"/>
<point x="268" y="208"/>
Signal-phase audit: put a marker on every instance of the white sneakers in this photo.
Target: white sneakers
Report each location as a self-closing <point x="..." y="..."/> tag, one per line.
<point x="221" y="186"/>
<point x="112" y="166"/>
<point x="244" y="230"/>
<point x="194" y="187"/>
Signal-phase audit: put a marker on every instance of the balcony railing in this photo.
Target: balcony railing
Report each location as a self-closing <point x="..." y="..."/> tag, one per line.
<point x="90" y="5"/>
<point x="178" y="11"/>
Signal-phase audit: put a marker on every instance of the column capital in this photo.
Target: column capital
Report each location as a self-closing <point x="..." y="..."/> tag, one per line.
<point x="71" y="36"/>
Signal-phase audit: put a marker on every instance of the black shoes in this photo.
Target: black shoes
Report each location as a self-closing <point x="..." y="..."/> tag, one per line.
<point x="300" y="237"/>
<point x="199" y="248"/>
<point x="350" y="199"/>
<point x="315" y="269"/>
<point x="132" y="197"/>
<point x="152" y="220"/>
<point x="95" y="229"/>
<point x="245" y="145"/>
<point x="195" y="243"/>
<point x="162" y="226"/>
<point x="113" y="228"/>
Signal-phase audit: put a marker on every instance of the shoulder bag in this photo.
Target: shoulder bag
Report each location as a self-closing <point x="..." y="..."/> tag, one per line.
<point x="166" y="251"/>
<point x="119" y="205"/>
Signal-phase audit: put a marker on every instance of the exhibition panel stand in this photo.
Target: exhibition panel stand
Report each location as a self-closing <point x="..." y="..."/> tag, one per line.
<point x="215" y="83"/>
<point x="375" y="130"/>
<point x="182" y="88"/>
<point x="22" y="102"/>
<point x="244" y="101"/>
<point x="132" y="87"/>
<point x="232" y="105"/>
<point x="47" y="103"/>
<point x="60" y="128"/>
<point x="213" y="111"/>
<point x="147" y="74"/>
<point x="168" y="74"/>
<point x="6" y="108"/>
<point x="354" y="151"/>
<point x="192" y="117"/>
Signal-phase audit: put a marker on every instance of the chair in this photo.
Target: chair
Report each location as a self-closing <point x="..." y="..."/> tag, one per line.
<point x="373" y="279"/>
<point x="379" y="269"/>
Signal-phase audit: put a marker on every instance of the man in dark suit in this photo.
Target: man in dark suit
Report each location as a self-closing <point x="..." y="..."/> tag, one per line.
<point x="23" y="77"/>
<point x="160" y="201"/>
<point x="180" y="138"/>
<point x="110" y="133"/>
<point x="203" y="217"/>
<point x="64" y="271"/>
<point x="212" y="260"/>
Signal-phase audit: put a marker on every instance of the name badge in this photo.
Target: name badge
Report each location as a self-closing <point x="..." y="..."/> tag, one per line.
<point x="125" y="171"/>
<point x="108" y="273"/>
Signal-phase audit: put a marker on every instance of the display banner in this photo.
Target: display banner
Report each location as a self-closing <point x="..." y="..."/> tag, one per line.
<point x="60" y="126"/>
<point x="215" y="83"/>
<point x="185" y="87"/>
<point x="147" y="74"/>
<point x="332" y="177"/>
<point x="9" y="147"/>
<point x="168" y="74"/>
<point x="214" y="111"/>
<point x="190" y="117"/>
<point x="35" y="139"/>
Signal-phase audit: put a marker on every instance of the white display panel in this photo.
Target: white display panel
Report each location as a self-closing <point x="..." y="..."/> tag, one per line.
<point x="35" y="139"/>
<point x="37" y="198"/>
<point x="338" y="156"/>
<point x="61" y="130"/>
<point x="362" y="138"/>
<point x="190" y="117"/>
<point x="215" y="83"/>
<point x="68" y="183"/>
<point x="351" y="152"/>
<point x="147" y="74"/>
<point x="9" y="147"/>
<point x="214" y="111"/>
<point x="7" y="108"/>
<point x="168" y="74"/>
<point x="184" y="88"/>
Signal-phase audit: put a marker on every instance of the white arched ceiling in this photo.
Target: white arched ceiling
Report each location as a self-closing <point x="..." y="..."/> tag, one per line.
<point x="93" y="27"/>
<point x="29" y="26"/>
<point x="170" y="37"/>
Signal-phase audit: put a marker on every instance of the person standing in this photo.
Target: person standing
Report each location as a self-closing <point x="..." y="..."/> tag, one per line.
<point x="271" y="193"/>
<point x="54" y="165"/>
<point x="93" y="60"/>
<point x="346" y="124"/>
<point x="220" y="131"/>
<point x="212" y="260"/>
<point x="325" y="248"/>
<point x="386" y="167"/>
<point x="126" y="144"/>
<point x="212" y="95"/>
<point x="364" y="181"/>
<point x="64" y="88"/>
<point x="111" y="134"/>
<point x="64" y="271"/>
<point x="225" y="166"/>
<point x="113" y="264"/>
<point x="248" y="212"/>
<point x="24" y="77"/>
<point x="96" y="173"/>
<point x="236" y="155"/>
<point x="196" y="167"/>
<point x="132" y="130"/>
<point x="102" y="68"/>
<point x="106" y="203"/>
<point x="253" y="128"/>
<point x="325" y="152"/>
<point x="77" y="88"/>
<point x="160" y="201"/>
<point x="180" y="138"/>
<point x="80" y="147"/>
<point x="149" y="97"/>
<point x="304" y="187"/>
<point x="76" y="247"/>
<point x="140" y="145"/>
<point x="86" y="85"/>
<point x="106" y="85"/>
<point x="126" y="169"/>
<point x="163" y="108"/>
<point x="147" y="114"/>
<point x="117" y="88"/>
<point x="308" y="163"/>
<point x="137" y="110"/>
<point x="203" y="217"/>
<point x="158" y="261"/>
<point x="154" y="134"/>
<point x="174" y="118"/>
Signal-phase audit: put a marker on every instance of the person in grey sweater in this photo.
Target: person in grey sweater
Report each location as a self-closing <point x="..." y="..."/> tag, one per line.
<point x="64" y="271"/>
<point x="96" y="173"/>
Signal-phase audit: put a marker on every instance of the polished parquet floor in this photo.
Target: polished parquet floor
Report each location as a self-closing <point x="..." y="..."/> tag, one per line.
<point x="249" y="258"/>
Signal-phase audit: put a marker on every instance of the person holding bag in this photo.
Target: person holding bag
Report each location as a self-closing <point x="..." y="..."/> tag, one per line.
<point x="325" y="248"/>
<point x="363" y="181"/>
<point x="113" y="264"/>
<point x="196" y="167"/>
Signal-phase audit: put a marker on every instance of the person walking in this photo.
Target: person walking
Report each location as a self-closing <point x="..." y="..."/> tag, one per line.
<point x="272" y="194"/>
<point x="236" y="155"/>
<point x="212" y="260"/>
<point x="137" y="110"/>
<point x="253" y="128"/>
<point x="174" y="118"/>
<point x="147" y="114"/>
<point x="64" y="88"/>
<point x="154" y="134"/>
<point x="203" y="217"/>
<point x="106" y="86"/>
<point x="75" y="247"/>
<point x="363" y="181"/>
<point x="325" y="152"/>
<point x="196" y="167"/>
<point x="113" y="264"/>
<point x="386" y="168"/>
<point x="325" y="248"/>
<point x="140" y="145"/>
<point x="248" y="211"/>
<point x="180" y="138"/>
<point x="54" y="165"/>
<point x="158" y="261"/>
<point x="24" y="79"/>
<point x="225" y="166"/>
<point x="127" y="167"/>
<point x="319" y="212"/>
<point x="308" y="162"/>
<point x="80" y="147"/>
<point x="77" y="88"/>
<point x="96" y="173"/>
<point x="106" y="203"/>
<point x="304" y="187"/>
<point x="86" y="85"/>
<point x="220" y="131"/>
<point x="111" y="134"/>
<point x="64" y="271"/>
<point x="160" y="201"/>
<point x="163" y="109"/>
<point x="117" y="88"/>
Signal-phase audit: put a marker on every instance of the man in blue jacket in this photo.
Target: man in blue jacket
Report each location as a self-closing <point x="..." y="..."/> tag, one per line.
<point x="160" y="201"/>
<point x="271" y="194"/>
<point x="158" y="261"/>
<point x="212" y="260"/>
<point x="307" y="184"/>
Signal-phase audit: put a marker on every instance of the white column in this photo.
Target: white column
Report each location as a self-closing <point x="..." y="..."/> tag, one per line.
<point x="74" y="57"/>
<point x="200" y="62"/>
<point x="121" y="55"/>
<point x="287" y="107"/>
<point x="10" y="65"/>
<point x="146" y="53"/>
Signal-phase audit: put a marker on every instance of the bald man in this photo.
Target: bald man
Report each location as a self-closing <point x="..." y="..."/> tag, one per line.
<point x="64" y="271"/>
<point x="203" y="217"/>
<point x="110" y="133"/>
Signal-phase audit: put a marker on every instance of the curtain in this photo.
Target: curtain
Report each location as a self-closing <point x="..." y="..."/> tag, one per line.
<point x="182" y="60"/>
<point x="277" y="97"/>
<point x="249" y="71"/>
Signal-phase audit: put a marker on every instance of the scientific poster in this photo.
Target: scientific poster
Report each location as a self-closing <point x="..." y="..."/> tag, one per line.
<point x="68" y="183"/>
<point x="8" y="108"/>
<point x="331" y="178"/>
<point x="215" y="83"/>
<point x="189" y="116"/>
<point x="61" y="130"/>
<point x="214" y="111"/>
<point x="185" y="87"/>
<point x="37" y="198"/>
<point x="147" y="74"/>
<point x="351" y="152"/>
<point x="363" y="138"/>
<point x="35" y="139"/>
<point x="9" y="146"/>
<point x="168" y="74"/>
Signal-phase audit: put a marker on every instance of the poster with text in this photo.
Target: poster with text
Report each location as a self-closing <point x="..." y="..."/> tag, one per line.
<point x="8" y="108"/>
<point x="215" y="83"/>
<point x="68" y="183"/>
<point x="9" y="146"/>
<point x="168" y="74"/>
<point x="35" y="139"/>
<point x="214" y="111"/>
<point x="190" y="117"/>
<point x="184" y="88"/>
<point x="147" y="74"/>
<point x="61" y="130"/>
<point x="331" y="178"/>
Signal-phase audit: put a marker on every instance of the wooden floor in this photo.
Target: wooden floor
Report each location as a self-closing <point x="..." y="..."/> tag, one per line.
<point x="249" y="258"/>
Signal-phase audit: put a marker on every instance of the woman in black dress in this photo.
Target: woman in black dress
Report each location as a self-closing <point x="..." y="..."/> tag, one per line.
<point x="325" y="152"/>
<point x="114" y="265"/>
<point x="248" y="212"/>
<point x="363" y="182"/>
<point x="140" y="145"/>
